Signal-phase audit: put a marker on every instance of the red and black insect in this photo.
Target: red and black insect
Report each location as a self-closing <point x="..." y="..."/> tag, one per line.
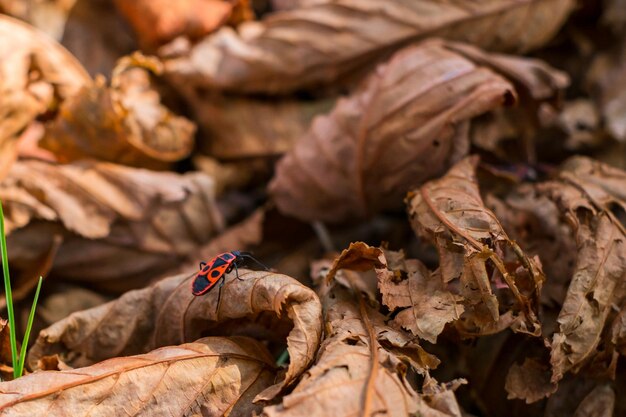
<point x="214" y="271"/>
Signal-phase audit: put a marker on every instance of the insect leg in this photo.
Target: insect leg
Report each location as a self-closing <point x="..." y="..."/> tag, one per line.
<point x="219" y="295"/>
<point x="237" y="272"/>
<point x="202" y="264"/>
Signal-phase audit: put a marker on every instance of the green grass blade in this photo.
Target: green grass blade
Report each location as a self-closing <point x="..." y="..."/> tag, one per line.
<point x="7" y="293"/>
<point x="283" y="358"/>
<point x="29" y="327"/>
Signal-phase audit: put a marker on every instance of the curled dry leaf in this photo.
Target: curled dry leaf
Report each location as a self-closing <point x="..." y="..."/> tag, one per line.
<point x="36" y="74"/>
<point x="352" y="268"/>
<point x="123" y="123"/>
<point x="361" y="369"/>
<point x="158" y="22"/>
<point x="313" y="45"/>
<point x="120" y="226"/>
<point x="588" y="192"/>
<point x="406" y="124"/>
<point x="211" y="377"/>
<point x="167" y="313"/>
<point x="472" y="247"/>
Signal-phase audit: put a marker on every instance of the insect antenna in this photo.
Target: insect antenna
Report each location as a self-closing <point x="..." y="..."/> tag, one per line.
<point x="249" y="256"/>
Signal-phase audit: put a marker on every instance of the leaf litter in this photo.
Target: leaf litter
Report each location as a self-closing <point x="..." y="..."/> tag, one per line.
<point x="438" y="186"/>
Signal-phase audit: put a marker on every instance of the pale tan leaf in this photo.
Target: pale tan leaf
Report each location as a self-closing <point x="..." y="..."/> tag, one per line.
<point x="36" y="74"/>
<point x="123" y="122"/>
<point x="406" y="124"/>
<point x="210" y="377"/>
<point x="167" y="313"/>
<point x="313" y="45"/>
<point x="450" y="213"/>
<point x="349" y="380"/>
<point x="120" y="226"/>
<point x="48" y="16"/>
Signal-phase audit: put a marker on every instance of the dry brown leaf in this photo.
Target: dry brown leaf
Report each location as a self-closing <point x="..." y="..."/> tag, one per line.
<point x="6" y="360"/>
<point x="405" y="284"/>
<point x="354" y="268"/>
<point x="406" y="124"/>
<point x="247" y="233"/>
<point x="120" y="226"/>
<point x="600" y="402"/>
<point x="530" y="381"/>
<point x="282" y="5"/>
<point x="318" y="44"/>
<point x="607" y="76"/>
<point x="599" y="274"/>
<point x="123" y="123"/>
<point x="586" y="194"/>
<point x="234" y="175"/>
<point x="167" y="313"/>
<point x="472" y="247"/>
<point x="425" y="304"/>
<point x="236" y="127"/>
<point x="211" y="377"/>
<point x="67" y="299"/>
<point x="618" y="333"/>
<point x="159" y="21"/>
<point x="587" y="334"/>
<point x="535" y="222"/>
<point x="36" y="74"/>
<point x="345" y="378"/>
<point x="97" y="35"/>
